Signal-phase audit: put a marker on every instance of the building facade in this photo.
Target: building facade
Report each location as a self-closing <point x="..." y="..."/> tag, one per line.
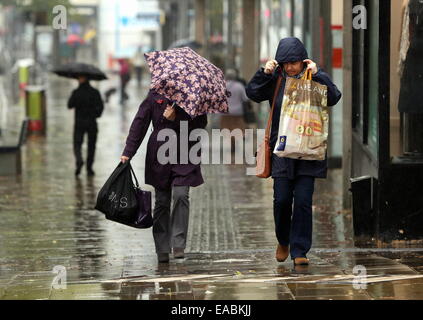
<point x="383" y="106"/>
<point x="127" y="25"/>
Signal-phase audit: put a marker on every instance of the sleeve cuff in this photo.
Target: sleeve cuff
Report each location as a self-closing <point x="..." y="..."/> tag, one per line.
<point x="318" y="73"/>
<point x="264" y="73"/>
<point x="127" y="154"/>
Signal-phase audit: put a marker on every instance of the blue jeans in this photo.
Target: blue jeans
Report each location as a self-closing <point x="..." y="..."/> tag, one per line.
<point x="293" y="223"/>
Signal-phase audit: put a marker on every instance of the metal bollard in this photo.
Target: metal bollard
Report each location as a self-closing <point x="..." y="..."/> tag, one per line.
<point x="36" y="111"/>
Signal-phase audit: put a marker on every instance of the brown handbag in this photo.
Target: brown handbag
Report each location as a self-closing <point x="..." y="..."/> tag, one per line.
<point x="264" y="154"/>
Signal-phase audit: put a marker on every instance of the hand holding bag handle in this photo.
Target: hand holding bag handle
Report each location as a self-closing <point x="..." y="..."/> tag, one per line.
<point x="264" y="154"/>
<point x="308" y="75"/>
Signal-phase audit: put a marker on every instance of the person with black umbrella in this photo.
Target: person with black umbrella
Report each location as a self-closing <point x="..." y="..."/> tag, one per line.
<point x="88" y="106"/>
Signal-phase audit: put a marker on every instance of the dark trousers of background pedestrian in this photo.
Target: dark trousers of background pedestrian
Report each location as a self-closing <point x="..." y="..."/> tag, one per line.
<point x="232" y="123"/>
<point x="80" y="130"/>
<point x="170" y="228"/>
<point x="124" y="79"/>
<point x="292" y="209"/>
<point x="138" y="73"/>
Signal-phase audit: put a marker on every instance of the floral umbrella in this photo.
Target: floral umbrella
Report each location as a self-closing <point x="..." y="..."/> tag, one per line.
<point x="189" y="80"/>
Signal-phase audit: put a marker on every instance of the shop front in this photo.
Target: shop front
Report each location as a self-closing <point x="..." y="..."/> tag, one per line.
<point x="386" y="162"/>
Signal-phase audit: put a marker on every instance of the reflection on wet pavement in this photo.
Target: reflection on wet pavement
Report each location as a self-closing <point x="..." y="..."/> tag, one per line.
<point x="48" y="220"/>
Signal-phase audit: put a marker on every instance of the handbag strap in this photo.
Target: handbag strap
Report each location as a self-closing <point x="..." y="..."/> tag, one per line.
<point x="275" y="96"/>
<point x="133" y="174"/>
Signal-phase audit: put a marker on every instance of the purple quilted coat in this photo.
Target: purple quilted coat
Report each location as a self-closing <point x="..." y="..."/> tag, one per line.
<point x="162" y="176"/>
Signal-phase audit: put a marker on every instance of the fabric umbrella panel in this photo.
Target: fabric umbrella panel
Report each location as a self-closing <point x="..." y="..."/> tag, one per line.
<point x="189" y="80"/>
<point x="74" y="70"/>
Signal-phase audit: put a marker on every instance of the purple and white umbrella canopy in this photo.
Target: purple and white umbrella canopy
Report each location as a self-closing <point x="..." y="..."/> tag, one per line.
<point x="189" y="80"/>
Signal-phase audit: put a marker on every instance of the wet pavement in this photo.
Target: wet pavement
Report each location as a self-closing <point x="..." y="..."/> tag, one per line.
<point x="48" y="221"/>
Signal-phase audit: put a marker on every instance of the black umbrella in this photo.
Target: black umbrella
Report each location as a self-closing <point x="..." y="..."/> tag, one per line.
<point x="74" y="70"/>
<point x="186" y="43"/>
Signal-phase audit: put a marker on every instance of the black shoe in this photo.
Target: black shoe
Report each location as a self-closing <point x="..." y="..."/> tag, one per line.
<point x="163" y="257"/>
<point x="90" y="172"/>
<point x="78" y="169"/>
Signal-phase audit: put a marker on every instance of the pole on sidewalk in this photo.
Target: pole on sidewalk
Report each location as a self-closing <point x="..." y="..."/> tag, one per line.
<point x="34" y="46"/>
<point x="250" y="38"/>
<point x="250" y="57"/>
<point x="3" y="106"/>
<point x="200" y="20"/>
<point x="347" y="103"/>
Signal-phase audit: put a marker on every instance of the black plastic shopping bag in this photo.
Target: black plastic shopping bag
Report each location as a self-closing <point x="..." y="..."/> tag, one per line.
<point x="122" y="201"/>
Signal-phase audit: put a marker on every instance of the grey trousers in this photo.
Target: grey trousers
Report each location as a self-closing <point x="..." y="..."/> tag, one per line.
<point x="170" y="230"/>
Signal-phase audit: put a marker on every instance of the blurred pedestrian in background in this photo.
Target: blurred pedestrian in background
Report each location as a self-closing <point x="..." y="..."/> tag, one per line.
<point x="125" y="77"/>
<point x="239" y="78"/>
<point x="88" y="106"/>
<point x="235" y="118"/>
<point x="248" y="109"/>
<point x="138" y="63"/>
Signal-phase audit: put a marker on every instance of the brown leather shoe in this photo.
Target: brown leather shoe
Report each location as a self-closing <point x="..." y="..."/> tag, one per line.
<point x="301" y="262"/>
<point x="282" y="253"/>
<point x="178" y="253"/>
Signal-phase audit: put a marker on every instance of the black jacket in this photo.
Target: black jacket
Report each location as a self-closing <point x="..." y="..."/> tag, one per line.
<point x="262" y="88"/>
<point x="87" y="103"/>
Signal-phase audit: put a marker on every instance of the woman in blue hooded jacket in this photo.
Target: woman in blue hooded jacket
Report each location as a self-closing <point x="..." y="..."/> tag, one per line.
<point x="293" y="179"/>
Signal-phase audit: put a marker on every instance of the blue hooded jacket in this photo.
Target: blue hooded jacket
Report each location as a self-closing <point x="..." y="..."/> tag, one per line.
<point x="262" y="88"/>
<point x="290" y="50"/>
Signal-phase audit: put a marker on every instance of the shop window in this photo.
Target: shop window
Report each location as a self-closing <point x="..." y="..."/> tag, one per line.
<point x="372" y="125"/>
<point x="214" y="29"/>
<point x="279" y="19"/>
<point x="366" y="79"/>
<point x="299" y="18"/>
<point x="406" y="116"/>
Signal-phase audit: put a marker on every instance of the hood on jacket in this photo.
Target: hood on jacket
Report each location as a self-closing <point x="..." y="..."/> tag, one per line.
<point x="290" y="50"/>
